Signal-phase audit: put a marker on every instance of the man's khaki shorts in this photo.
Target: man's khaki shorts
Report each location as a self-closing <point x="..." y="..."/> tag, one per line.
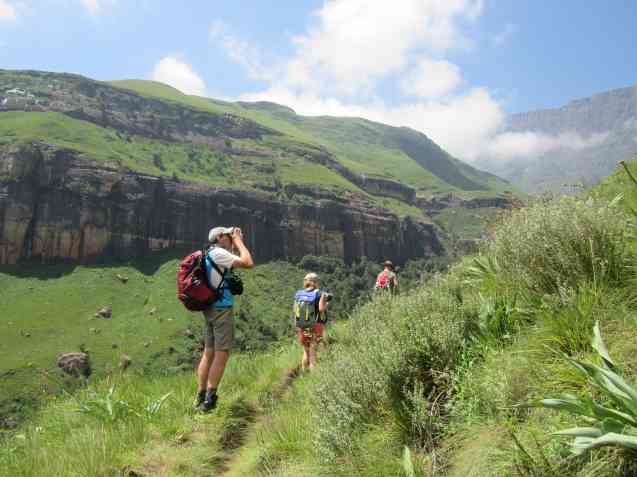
<point x="218" y="328"/>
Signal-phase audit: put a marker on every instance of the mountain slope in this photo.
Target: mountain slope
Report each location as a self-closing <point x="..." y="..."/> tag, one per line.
<point x="149" y="156"/>
<point x="606" y="129"/>
<point x="399" y="153"/>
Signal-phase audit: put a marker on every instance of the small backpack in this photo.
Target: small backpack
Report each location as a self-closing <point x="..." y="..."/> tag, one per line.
<point x="305" y="309"/>
<point x="383" y="282"/>
<point x="193" y="289"/>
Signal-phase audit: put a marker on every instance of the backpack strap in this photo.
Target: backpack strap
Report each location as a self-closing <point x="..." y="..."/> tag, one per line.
<point x="217" y="269"/>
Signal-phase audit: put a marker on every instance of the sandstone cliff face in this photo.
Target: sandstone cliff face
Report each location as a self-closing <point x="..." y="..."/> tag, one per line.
<point x="56" y="204"/>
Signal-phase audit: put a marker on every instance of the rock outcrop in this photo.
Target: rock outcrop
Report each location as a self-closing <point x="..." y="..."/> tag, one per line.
<point x="58" y="204"/>
<point x="75" y="364"/>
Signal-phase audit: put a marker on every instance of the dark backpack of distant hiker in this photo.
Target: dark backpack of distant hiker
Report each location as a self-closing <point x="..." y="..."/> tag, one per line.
<point x="385" y="281"/>
<point x="305" y="309"/>
<point x="193" y="289"/>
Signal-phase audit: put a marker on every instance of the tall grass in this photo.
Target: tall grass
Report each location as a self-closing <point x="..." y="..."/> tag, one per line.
<point x="553" y="245"/>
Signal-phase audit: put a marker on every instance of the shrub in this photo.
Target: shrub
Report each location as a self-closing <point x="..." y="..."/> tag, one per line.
<point x="396" y="362"/>
<point x="557" y="244"/>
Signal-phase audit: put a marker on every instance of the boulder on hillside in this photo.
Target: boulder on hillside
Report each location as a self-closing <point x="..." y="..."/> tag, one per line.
<point x="125" y="361"/>
<point x="106" y="312"/>
<point x="75" y="364"/>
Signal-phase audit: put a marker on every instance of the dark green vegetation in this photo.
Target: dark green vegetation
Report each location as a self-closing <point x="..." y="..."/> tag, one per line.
<point x="452" y="370"/>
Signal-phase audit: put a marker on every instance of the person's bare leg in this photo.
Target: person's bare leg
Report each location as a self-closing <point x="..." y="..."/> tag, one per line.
<point x="305" y="362"/>
<point x="312" y="354"/>
<point x="217" y="368"/>
<point x="204" y="369"/>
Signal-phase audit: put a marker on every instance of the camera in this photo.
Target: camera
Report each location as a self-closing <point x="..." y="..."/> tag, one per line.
<point x="328" y="296"/>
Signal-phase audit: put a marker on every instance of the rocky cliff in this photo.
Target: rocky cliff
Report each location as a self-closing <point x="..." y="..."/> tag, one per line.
<point x="91" y="169"/>
<point x="599" y="113"/>
<point x="58" y="204"/>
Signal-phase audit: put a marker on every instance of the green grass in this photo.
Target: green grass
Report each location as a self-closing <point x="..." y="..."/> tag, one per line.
<point x="51" y="310"/>
<point x="364" y="146"/>
<point x="175" y="441"/>
<point x="193" y="162"/>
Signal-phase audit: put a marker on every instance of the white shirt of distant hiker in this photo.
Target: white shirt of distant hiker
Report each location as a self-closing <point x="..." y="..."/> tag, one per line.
<point x="224" y="260"/>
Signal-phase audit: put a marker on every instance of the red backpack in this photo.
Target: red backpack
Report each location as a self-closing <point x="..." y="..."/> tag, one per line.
<point x="193" y="289"/>
<point x="383" y="282"/>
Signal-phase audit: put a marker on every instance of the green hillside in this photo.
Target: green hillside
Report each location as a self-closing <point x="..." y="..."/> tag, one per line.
<point x="49" y="310"/>
<point x="364" y="146"/>
<point x="452" y="378"/>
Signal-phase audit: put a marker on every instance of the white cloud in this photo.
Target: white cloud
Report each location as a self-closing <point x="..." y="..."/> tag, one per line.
<point x="502" y="37"/>
<point x="511" y="145"/>
<point x="356" y="42"/>
<point x="240" y="51"/>
<point x="431" y="79"/>
<point x="352" y="45"/>
<point x="179" y="75"/>
<point x="8" y="12"/>
<point x="462" y="124"/>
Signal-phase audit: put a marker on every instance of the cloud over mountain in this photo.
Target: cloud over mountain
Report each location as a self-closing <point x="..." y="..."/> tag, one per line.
<point x="180" y="75"/>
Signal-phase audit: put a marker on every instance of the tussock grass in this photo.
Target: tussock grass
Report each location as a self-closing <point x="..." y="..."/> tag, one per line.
<point x="555" y="245"/>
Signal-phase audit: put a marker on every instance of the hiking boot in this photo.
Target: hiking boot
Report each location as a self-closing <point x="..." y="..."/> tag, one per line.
<point x="201" y="396"/>
<point x="209" y="402"/>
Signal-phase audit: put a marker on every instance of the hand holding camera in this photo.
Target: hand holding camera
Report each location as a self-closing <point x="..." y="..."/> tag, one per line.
<point x="237" y="234"/>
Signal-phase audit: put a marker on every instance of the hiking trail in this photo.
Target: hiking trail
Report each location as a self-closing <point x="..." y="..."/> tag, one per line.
<point x="233" y="445"/>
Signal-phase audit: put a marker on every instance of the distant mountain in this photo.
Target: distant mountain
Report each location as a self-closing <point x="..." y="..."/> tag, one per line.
<point x="591" y="135"/>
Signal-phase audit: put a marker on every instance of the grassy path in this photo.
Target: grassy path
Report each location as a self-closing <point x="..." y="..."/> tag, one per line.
<point x="242" y="454"/>
<point x="217" y="443"/>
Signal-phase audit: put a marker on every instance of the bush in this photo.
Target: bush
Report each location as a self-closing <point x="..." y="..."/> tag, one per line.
<point x="395" y="360"/>
<point x="557" y="244"/>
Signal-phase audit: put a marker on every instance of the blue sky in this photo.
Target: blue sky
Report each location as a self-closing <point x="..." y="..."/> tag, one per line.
<point x="450" y="68"/>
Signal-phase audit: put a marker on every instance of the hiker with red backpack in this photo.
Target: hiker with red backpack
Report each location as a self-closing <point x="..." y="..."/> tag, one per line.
<point x="206" y="283"/>
<point x="387" y="279"/>
<point x="309" y="314"/>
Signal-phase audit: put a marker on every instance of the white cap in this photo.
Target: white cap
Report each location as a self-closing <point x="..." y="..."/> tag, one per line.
<point x="215" y="233"/>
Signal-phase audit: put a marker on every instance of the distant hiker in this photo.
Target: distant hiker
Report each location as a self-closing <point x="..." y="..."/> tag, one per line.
<point x="387" y="279"/>
<point x="309" y="313"/>
<point x="219" y="320"/>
